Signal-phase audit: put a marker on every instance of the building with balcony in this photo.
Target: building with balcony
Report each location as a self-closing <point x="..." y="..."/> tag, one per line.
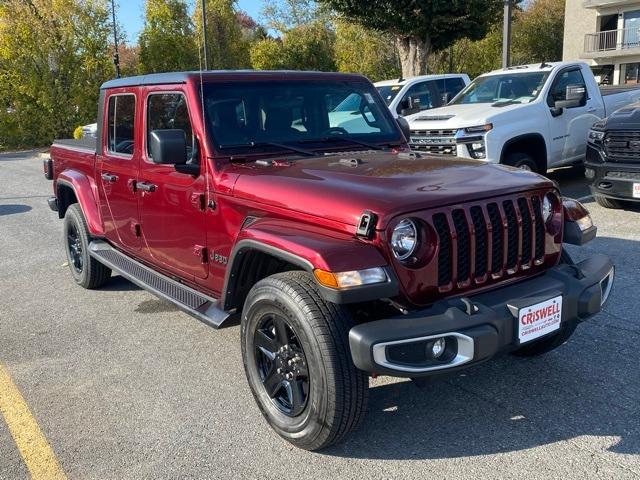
<point x="606" y="35"/>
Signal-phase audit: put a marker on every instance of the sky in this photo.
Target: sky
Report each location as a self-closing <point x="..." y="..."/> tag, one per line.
<point x="129" y="14"/>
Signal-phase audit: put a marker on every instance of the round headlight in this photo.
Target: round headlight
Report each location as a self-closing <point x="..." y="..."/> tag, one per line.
<point x="404" y="239"/>
<point x="547" y="207"/>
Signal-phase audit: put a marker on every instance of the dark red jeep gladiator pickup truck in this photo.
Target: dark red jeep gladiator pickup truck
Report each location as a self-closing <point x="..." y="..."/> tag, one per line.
<point x="260" y="196"/>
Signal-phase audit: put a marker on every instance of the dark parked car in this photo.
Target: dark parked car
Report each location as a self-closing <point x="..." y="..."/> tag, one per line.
<point x="613" y="158"/>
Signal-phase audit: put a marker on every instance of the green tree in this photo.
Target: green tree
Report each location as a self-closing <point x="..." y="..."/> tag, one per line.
<point x="54" y="54"/>
<point x="284" y="15"/>
<point x="538" y="31"/>
<point x="267" y="54"/>
<point x="227" y="44"/>
<point x="421" y="26"/>
<point x="167" y="42"/>
<point x="305" y="47"/>
<point x="365" y="51"/>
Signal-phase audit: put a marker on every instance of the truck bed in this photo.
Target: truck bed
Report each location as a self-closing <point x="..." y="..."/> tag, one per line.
<point x="86" y="143"/>
<point x="606" y="90"/>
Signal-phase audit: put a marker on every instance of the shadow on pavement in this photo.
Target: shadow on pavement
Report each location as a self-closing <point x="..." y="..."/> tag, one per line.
<point x="13" y="209"/>
<point x="119" y="284"/>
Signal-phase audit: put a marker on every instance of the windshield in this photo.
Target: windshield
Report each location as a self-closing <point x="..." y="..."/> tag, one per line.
<point x="257" y="115"/>
<point x="507" y="88"/>
<point x="389" y="92"/>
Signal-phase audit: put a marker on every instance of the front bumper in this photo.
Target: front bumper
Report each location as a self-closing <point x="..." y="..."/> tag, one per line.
<point x="611" y="179"/>
<point x="482" y="325"/>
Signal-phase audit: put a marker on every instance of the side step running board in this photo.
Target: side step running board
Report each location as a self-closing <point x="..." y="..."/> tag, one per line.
<point x="202" y="307"/>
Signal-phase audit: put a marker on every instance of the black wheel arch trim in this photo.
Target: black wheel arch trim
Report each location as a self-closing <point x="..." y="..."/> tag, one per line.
<point x="352" y="295"/>
<point x="519" y="138"/>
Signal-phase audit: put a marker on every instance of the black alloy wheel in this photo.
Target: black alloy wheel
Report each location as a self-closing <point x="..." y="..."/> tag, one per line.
<point x="282" y="365"/>
<point x="74" y="246"/>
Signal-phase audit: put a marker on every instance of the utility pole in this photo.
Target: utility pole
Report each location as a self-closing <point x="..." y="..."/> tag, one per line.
<point x="204" y="34"/>
<point x="506" y="34"/>
<point x="116" y="57"/>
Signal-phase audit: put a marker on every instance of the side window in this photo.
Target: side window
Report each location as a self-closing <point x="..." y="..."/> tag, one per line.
<point x="120" y="123"/>
<point x="418" y="97"/>
<point x="169" y="111"/>
<point x="559" y="89"/>
<point x="453" y="86"/>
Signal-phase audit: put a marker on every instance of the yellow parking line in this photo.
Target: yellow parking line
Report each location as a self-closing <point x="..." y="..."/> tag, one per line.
<point x="33" y="446"/>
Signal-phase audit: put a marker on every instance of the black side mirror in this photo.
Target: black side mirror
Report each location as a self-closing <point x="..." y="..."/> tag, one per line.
<point x="404" y="127"/>
<point x="168" y="147"/>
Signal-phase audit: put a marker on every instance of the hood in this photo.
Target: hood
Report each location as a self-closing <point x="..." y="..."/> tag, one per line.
<point x="341" y="187"/>
<point x="457" y="116"/>
<point x="626" y="118"/>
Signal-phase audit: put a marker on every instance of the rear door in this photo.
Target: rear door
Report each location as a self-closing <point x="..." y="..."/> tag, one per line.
<point x="172" y="216"/>
<point x="117" y="169"/>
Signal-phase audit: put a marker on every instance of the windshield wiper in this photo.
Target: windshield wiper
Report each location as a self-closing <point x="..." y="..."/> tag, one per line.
<point x="372" y="146"/>
<point x="284" y="146"/>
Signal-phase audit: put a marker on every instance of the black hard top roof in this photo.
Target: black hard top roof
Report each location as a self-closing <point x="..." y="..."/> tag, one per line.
<point x="183" y="77"/>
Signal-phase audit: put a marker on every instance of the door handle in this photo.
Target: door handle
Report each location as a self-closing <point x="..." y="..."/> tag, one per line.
<point x="146" y="187"/>
<point x="592" y="109"/>
<point x="107" y="177"/>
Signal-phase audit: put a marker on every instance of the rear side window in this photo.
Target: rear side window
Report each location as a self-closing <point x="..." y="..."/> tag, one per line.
<point x="169" y="111"/>
<point x="120" y="124"/>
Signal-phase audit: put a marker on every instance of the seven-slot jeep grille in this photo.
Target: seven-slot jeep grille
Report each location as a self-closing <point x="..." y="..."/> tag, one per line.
<point x="490" y="238"/>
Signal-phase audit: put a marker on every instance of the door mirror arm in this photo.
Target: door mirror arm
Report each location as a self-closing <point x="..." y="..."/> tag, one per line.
<point x="556" y="111"/>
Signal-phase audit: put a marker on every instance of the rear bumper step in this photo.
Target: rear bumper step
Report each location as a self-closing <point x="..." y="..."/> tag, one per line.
<point x="204" y="308"/>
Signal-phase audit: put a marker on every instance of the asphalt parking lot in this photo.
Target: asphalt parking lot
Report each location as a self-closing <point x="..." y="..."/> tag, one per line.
<point x="122" y="385"/>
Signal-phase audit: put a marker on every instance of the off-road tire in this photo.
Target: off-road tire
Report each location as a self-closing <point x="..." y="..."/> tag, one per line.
<point x="546" y="344"/>
<point x="93" y="274"/>
<point x="523" y="161"/>
<point x="608" y="202"/>
<point x="337" y="391"/>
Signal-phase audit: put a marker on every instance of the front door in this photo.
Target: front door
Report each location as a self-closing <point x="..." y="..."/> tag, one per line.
<point x="117" y="171"/>
<point x="172" y="204"/>
<point x="568" y="130"/>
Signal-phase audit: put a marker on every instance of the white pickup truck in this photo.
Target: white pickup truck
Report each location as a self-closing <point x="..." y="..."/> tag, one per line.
<point x="533" y="117"/>
<point x="406" y="96"/>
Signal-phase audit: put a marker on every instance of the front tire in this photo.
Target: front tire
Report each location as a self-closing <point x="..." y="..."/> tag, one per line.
<point x="608" y="202"/>
<point x="522" y="161"/>
<point x="86" y="270"/>
<point x="296" y="356"/>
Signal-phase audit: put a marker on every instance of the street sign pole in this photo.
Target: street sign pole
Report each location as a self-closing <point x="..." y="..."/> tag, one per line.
<point x="506" y="34"/>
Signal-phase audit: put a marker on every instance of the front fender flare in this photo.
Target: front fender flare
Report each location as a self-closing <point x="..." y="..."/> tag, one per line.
<point x="308" y="248"/>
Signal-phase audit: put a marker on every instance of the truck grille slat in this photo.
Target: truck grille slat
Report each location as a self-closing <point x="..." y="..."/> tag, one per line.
<point x="462" y="233"/>
<point x="539" y="235"/>
<point x="444" y="255"/>
<point x="481" y="244"/>
<point x="493" y="238"/>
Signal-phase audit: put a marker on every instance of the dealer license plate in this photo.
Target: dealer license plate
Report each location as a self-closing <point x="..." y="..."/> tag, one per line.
<point x="636" y="190"/>
<point x="540" y="319"/>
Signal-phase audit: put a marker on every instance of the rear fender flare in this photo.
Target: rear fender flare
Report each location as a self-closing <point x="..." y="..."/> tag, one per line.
<point x="85" y="190"/>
